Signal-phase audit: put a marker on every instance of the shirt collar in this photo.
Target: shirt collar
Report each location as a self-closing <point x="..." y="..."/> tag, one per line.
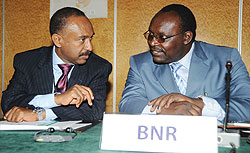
<point x="186" y="60"/>
<point x="56" y="58"/>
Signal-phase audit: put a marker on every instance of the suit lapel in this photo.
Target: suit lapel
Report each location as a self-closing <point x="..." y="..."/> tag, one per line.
<point x="165" y="78"/>
<point x="76" y="75"/>
<point x="198" y="70"/>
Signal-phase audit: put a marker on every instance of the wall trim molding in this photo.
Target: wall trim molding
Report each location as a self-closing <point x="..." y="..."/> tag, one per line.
<point x="114" y="64"/>
<point x="240" y="25"/>
<point x="3" y="45"/>
<point x="3" y="51"/>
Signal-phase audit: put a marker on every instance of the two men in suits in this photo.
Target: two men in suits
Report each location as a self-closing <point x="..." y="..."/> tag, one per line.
<point x="31" y="95"/>
<point x="180" y="75"/>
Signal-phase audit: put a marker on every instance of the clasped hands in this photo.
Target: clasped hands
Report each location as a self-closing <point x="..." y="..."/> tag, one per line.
<point x="177" y="104"/>
<point x="76" y="95"/>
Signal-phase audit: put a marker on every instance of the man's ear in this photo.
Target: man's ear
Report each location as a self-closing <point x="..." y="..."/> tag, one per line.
<point x="57" y="40"/>
<point x="188" y="36"/>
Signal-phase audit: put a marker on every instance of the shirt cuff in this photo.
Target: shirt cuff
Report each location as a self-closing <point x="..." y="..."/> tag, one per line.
<point x="50" y="115"/>
<point x="44" y="101"/>
<point x="146" y="110"/>
<point x="212" y="108"/>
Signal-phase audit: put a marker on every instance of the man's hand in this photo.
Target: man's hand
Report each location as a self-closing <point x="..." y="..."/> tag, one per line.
<point x="181" y="108"/>
<point x="181" y="105"/>
<point x="19" y="114"/>
<point x="75" y="95"/>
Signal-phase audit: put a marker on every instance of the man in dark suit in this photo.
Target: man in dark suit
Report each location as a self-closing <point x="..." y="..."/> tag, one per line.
<point x="33" y="90"/>
<point x="182" y="76"/>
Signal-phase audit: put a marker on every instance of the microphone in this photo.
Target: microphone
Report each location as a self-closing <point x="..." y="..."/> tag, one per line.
<point x="225" y="138"/>
<point x="228" y="80"/>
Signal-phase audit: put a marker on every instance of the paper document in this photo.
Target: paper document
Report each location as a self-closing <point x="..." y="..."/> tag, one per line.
<point x="235" y="125"/>
<point x="41" y="125"/>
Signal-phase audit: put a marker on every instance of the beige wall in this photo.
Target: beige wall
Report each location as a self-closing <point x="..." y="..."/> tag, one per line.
<point x="26" y="27"/>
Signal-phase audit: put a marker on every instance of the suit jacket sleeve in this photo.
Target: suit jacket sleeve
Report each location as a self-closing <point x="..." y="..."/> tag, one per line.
<point x="17" y="93"/>
<point x="134" y="98"/>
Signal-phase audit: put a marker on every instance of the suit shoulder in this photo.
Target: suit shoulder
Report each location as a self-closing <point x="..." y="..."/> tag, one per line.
<point x="216" y="52"/>
<point x="33" y="57"/>
<point x="213" y="47"/>
<point x="142" y="58"/>
<point x="32" y="54"/>
<point x="145" y="56"/>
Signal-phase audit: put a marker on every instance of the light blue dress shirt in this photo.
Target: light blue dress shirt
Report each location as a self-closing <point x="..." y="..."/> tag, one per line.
<point x="211" y="106"/>
<point x="47" y="101"/>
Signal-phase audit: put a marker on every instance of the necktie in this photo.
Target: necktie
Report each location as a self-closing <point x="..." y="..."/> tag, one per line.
<point x="175" y="67"/>
<point x="63" y="80"/>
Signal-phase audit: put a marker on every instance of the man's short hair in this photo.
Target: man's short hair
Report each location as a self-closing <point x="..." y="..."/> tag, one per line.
<point x="59" y="18"/>
<point x="188" y="22"/>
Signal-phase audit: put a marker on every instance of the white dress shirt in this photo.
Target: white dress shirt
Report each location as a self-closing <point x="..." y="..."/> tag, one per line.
<point x="211" y="106"/>
<point x="47" y="101"/>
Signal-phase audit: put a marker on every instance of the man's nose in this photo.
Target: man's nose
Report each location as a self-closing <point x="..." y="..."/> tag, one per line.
<point x="154" y="42"/>
<point x="88" y="45"/>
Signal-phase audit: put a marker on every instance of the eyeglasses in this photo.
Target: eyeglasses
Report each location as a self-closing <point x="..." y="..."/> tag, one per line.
<point x="160" y="38"/>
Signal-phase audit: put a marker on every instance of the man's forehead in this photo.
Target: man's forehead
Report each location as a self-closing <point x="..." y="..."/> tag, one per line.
<point x="165" y="22"/>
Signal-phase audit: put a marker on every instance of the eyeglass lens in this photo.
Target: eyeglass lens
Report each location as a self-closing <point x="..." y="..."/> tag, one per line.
<point x="160" y="38"/>
<point x="150" y="36"/>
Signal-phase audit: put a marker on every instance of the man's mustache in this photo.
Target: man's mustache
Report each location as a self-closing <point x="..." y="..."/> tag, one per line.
<point x="156" y="49"/>
<point x="85" y="53"/>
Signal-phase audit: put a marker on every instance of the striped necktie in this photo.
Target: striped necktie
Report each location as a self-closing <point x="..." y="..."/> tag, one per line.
<point x="61" y="85"/>
<point x="175" y="67"/>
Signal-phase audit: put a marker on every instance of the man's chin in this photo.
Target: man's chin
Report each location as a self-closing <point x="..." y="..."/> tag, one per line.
<point x="81" y="62"/>
<point x="158" y="60"/>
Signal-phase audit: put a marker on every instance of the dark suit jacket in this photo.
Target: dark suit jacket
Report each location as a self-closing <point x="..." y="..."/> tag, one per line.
<point x="34" y="76"/>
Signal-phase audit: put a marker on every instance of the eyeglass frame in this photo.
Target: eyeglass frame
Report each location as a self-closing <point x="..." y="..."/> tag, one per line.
<point x="157" y="37"/>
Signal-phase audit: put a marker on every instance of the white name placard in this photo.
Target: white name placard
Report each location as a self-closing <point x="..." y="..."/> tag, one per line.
<point x="159" y="133"/>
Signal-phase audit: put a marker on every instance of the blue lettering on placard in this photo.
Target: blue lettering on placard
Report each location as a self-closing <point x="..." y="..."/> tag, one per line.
<point x="142" y="131"/>
<point x="154" y="130"/>
<point x="156" y="133"/>
<point x="171" y="133"/>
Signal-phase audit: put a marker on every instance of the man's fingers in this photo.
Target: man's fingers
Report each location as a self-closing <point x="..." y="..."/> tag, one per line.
<point x="197" y="111"/>
<point x="154" y="105"/>
<point x="152" y="102"/>
<point x="10" y="111"/>
<point x="188" y="108"/>
<point x="14" y="115"/>
<point x="193" y="112"/>
<point x="78" y="94"/>
<point x="88" y="94"/>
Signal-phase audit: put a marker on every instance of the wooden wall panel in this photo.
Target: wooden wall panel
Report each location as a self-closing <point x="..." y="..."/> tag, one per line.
<point x="26" y="27"/>
<point x="245" y="50"/>
<point x="217" y="22"/>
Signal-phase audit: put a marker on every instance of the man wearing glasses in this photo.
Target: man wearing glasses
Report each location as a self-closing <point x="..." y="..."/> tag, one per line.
<point x="180" y="75"/>
<point x="66" y="81"/>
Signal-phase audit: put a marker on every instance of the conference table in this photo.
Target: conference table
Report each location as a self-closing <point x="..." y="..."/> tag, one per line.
<point x="87" y="141"/>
